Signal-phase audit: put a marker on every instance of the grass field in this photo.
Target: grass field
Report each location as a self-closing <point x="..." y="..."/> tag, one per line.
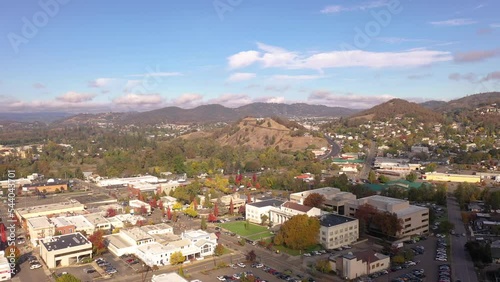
<point x="238" y="227"/>
<point x="259" y="236"/>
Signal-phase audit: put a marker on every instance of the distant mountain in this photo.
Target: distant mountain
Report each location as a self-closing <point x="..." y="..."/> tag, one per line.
<point x="433" y="104"/>
<point x="45" y="117"/>
<point x="399" y="108"/>
<point x="216" y="113"/>
<point x="471" y="101"/>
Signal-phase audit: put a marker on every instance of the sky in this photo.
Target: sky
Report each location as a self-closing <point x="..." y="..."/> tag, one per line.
<point x="123" y="55"/>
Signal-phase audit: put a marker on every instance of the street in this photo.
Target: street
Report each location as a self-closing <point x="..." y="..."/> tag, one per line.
<point x="462" y="266"/>
<point x="370" y="157"/>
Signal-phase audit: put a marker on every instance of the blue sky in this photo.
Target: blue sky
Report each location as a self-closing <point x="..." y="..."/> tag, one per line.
<point x="119" y="55"/>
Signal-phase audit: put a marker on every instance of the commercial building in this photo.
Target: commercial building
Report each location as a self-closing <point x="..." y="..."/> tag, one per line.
<point x="137" y="205"/>
<point x="50" y="186"/>
<point x="5" y="273"/>
<point x="124" y="182"/>
<point x="415" y="218"/>
<point x="337" y="230"/>
<point x="65" y="250"/>
<point x="39" y="228"/>
<point x="98" y="221"/>
<point x="279" y="215"/>
<point x="255" y="211"/>
<point x="335" y="199"/>
<point x="225" y="202"/>
<point x="352" y="266"/>
<point x="446" y="177"/>
<point x="127" y="240"/>
<point x="80" y="223"/>
<point x="50" y="209"/>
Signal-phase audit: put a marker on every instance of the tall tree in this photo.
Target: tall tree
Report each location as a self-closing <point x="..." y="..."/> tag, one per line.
<point x="98" y="244"/>
<point x="299" y="232"/>
<point x="203" y="225"/>
<point x="231" y="207"/>
<point x="169" y="213"/>
<point x="216" y="210"/>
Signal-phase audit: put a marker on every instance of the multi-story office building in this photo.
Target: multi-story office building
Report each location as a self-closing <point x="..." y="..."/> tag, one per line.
<point x="337" y="231"/>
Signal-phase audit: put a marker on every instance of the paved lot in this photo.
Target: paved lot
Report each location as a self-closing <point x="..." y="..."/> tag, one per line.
<point x="427" y="262"/>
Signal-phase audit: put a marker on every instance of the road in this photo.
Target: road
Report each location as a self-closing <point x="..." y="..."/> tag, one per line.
<point x="334" y="151"/>
<point x="462" y="265"/>
<point x="370" y="157"/>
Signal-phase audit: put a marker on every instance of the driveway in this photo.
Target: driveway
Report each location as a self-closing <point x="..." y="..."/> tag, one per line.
<point x="462" y="266"/>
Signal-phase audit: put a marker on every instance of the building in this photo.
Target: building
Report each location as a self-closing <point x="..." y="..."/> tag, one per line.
<point x="137" y="205"/>
<point x="5" y="269"/>
<point x="436" y="176"/>
<point x="168" y="201"/>
<point x="64" y="250"/>
<point x="124" y="182"/>
<point x="156" y="229"/>
<point x="98" y="221"/>
<point x="136" y="189"/>
<point x="336" y="231"/>
<point x="335" y="199"/>
<point x="127" y="240"/>
<point x="415" y="218"/>
<point x="73" y="206"/>
<point x="352" y="266"/>
<point x="224" y="202"/>
<point x="255" y="211"/>
<point x="279" y="215"/>
<point x="62" y="226"/>
<point x="168" y="277"/>
<point x="39" y="228"/>
<point x="419" y="149"/>
<point x="80" y="223"/>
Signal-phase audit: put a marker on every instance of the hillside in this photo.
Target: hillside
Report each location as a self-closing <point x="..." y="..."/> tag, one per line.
<point x="433" y="104"/>
<point x="260" y="133"/>
<point x="471" y="101"/>
<point x="399" y="108"/>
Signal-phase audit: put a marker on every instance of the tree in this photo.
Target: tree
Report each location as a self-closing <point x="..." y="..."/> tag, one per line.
<point x="142" y="210"/>
<point x="177" y="206"/>
<point x="98" y="244"/>
<point x="212" y="217"/>
<point x="251" y="256"/>
<point x="241" y="210"/>
<point x="323" y="265"/>
<point x="372" y="178"/>
<point x="203" y="225"/>
<point x="399" y="259"/>
<point x="160" y="205"/>
<point x="216" y="210"/>
<point x="431" y="167"/>
<point x="191" y="212"/>
<point x="411" y="177"/>
<point x="231" y="207"/>
<point x="67" y="278"/>
<point x="314" y="200"/>
<point x="263" y="219"/>
<point x="110" y="212"/>
<point x="446" y="226"/>
<point x="177" y="258"/>
<point x="79" y="173"/>
<point x="299" y="232"/>
<point x="219" y="250"/>
<point x="12" y="251"/>
<point x="169" y="213"/>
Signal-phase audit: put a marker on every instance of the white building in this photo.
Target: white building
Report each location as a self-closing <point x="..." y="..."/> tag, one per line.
<point x="65" y="250"/>
<point x="137" y="204"/>
<point x="126" y="181"/>
<point x="168" y="277"/>
<point x="156" y="229"/>
<point x="335" y="199"/>
<point x="255" y="211"/>
<point x="127" y="240"/>
<point x="337" y="231"/>
<point x="99" y="221"/>
<point x="39" y="228"/>
<point x="79" y="221"/>
<point x="279" y="215"/>
<point x="168" y="201"/>
<point x="5" y="269"/>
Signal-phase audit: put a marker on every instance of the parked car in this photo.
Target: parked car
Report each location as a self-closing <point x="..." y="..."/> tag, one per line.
<point x="35" y="266"/>
<point x="240" y="264"/>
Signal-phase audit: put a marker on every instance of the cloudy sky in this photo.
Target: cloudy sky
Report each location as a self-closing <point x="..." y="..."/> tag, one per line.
<point x="119" y="55"/>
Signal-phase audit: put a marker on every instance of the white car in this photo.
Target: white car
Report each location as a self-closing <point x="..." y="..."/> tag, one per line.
<point x="411" y="263"/>
<point x="221" y="278"/>
<point x="347" y="247"/>
<point x="307" y="254"/>
<point x="259" y="265"/>
<point x="35" y="266"/>
<point x="240" y="264"/>
<point x="232" y="265"/>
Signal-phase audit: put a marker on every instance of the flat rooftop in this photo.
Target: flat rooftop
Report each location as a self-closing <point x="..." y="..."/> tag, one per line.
<point x="383" y="199"/>
<point x="272" y="202"/>
<point x="49" y="208"/>
<point x="329" y="220"/>
<point x="95" y="199"/>
<point x="39" y="222"/>
<point x="410" y="210"/>
<point x="137" y="234"/>
<point x="96" y="218"/>
<point x="65" y="241"/>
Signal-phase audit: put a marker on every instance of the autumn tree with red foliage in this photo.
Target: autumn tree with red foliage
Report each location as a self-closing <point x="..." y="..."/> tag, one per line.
<point x="249" y="198"/>
<point x="110" y="212"/>
<point x="254" y="179"/>
<point x="212" y="217"/>
<point x="314" y="200"/>
<point x="160" y="205"/>
<point x="169" y="213"/>
<point x="98" y="244"/>
<point x="143" y="210"/>
<point x="241" y="210"/>
<point x="153" y="203"/>
<point x="216" y="210"/>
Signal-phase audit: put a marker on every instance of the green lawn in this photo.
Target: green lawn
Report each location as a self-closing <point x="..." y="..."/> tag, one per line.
<point x="259" y="236"/>
<point x="298" y="252"/>
<point x="238" y="227"/>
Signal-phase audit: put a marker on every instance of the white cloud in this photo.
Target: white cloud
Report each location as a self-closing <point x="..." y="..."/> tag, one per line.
<point x="277" y="99"/>
<point x="231" y="100"/>
<point x="276" y="57"/>
<point x="188" y="99"/>
<point x="243" y="59"/>
<point x="398" y="40"/>
<point x="156" y="74"/>
<point x="333" y="9"/>
<point x="101" y="82"/>
<point x="495" y="25"/>
<point x="139" y="99"/>
<point x="349" y="100"/>
<point x="241" y="76"/>
<point x="296" y="77"/>
<point x="75" y="97"/>
<point x="131" y="84"/>
<point x="454" y="22"/>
